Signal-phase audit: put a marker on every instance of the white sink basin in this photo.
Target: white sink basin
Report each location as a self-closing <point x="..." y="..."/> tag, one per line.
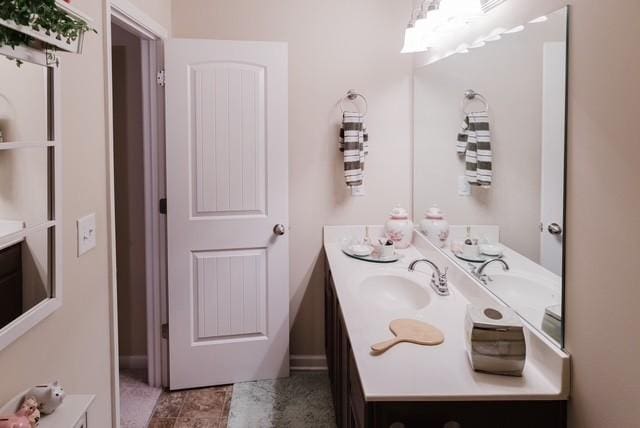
<point x="395" y="292"/>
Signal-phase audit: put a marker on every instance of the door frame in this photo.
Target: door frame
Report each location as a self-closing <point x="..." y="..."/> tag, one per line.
<point x="128" y="16"/>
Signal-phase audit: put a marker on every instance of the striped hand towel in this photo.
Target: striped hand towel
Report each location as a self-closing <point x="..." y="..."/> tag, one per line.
<point x="475" y="142"/>
<point x="354" y="143"/>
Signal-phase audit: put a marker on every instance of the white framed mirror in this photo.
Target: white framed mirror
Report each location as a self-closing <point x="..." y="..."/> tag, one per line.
<point x="30" y="191"/>
<point x="489" y="151"/>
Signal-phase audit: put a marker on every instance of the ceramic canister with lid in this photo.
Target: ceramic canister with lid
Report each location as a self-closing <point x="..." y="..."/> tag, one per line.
<point x="435" y="226"/>
<point x="399" y="228"/>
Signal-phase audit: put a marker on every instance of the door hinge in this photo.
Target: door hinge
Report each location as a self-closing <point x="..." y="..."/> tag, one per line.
<point x="161" y="78"/>
<point x="163" y="206"/>
<point x="164" y="331"/>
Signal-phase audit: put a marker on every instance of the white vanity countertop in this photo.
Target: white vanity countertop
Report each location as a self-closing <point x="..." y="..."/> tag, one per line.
<point x="409" y="372"/>
<point x="9" y="227"/>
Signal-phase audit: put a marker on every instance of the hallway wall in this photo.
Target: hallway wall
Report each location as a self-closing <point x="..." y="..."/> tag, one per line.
<point x="129" y="194"/>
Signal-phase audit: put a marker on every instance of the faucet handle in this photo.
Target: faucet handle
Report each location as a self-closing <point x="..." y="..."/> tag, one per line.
<point x="443" y="276"/>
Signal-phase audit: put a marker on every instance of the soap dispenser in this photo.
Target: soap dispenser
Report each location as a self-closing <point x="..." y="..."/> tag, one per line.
<point x="435" y="226"/>
<point x="399" y="228"/>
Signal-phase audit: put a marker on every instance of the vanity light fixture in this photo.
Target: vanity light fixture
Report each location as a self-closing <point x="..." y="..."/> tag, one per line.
<point x="412" y="38"/>
<point x="437" y="17"/>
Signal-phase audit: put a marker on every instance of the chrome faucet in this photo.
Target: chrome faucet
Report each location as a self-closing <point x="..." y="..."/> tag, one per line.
<point x="478" y="272"/>
<point x="438" y="279"/>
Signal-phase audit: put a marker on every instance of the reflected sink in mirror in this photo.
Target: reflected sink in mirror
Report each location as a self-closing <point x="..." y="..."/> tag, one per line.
<point x="395" y="292"/>
<point x="525" y="293"/>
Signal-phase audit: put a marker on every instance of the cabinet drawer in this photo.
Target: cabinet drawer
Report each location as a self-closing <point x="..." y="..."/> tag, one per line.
<point x="10" y="260"/>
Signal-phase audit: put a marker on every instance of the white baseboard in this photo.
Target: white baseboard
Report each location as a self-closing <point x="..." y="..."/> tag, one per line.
<point x="298" y="362"/>
<point x="308" y="362"/>
<point x="133" y="361"/>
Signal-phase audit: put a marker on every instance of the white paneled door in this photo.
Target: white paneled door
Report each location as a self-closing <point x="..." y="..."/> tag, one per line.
<point x="227" y="211"/>
<point x="553" y="154"/>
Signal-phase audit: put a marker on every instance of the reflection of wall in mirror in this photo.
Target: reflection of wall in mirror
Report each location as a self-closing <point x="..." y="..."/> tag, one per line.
<point x="23" y="118"/>
<point x="23" y="101"/>
<point x="508" y="73"/>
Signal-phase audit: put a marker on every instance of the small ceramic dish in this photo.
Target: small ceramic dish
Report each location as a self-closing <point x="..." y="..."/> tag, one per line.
<point x="361" y="250"/>
<point x="491" y="249"/>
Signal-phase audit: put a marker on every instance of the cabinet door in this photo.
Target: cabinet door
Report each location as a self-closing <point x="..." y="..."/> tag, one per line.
<point x="357" y="402"/>
<point x="11" y="304"/>
<point x="343" y="376"/>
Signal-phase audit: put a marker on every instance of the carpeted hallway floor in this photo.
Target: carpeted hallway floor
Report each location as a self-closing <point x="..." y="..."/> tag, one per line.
<point x="137" y="399"/>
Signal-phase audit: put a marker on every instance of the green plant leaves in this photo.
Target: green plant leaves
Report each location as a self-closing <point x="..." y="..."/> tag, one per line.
<point x="40" y="15"/>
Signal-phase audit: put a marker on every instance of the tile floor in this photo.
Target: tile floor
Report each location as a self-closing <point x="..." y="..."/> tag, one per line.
<point x="199" y="408"/>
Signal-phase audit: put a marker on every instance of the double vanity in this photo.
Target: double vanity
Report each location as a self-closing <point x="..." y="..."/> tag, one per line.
<point x="425" y="386"/>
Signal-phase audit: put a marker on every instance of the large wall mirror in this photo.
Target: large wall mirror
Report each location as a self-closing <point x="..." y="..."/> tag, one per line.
<point x="489" y="151"/>
<point x="30" y="244"/>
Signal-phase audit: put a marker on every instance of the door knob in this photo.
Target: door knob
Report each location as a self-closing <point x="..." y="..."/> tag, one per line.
<point x="554" y="229"/>
<point x="279" y="229"/>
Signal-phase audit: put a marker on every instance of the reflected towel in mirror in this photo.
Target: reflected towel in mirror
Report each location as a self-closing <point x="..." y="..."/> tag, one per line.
<point x="474" y="142"/>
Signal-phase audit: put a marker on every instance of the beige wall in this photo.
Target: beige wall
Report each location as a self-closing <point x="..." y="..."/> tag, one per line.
<point x="333" y="46"/>
<point x="602" y="206"/>
<point x="72" y="345"/>
<point x="129" y="192"/>
<point x="158" y="10"/>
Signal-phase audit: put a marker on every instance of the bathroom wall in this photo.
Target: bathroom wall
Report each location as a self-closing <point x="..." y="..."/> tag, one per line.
<point x="158" y="10"/>
<point x="333" y="46"/>
<point x="602" y="205"/>
<point x="73" y="344"/>
<point x="129" y="195"/>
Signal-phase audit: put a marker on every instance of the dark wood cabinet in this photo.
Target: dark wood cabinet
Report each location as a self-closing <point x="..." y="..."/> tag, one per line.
<point x="354" y="411"/>
<point x="10" y="284"/>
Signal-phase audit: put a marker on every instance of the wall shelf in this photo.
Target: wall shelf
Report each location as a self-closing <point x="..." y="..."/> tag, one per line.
<point x="74" y="46"/>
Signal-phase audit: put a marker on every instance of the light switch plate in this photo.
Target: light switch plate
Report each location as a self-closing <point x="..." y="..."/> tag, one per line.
<point x="464" y="188"/>
<point x="86" y="233"/>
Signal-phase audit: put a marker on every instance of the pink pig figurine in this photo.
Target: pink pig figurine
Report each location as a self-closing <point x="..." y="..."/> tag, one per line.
<point x="27" y="417"/>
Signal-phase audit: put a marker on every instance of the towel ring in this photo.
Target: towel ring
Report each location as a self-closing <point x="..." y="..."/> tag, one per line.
<point x="469" y="96"/>
<point x="351" y="96"/>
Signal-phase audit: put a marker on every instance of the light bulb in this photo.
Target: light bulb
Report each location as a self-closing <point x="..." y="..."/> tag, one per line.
<point x="477" y="44"/>
<point x="516" y="29"/>
<point x="463" y="48"/>
<point x="539" y="19"/>
<point x="495" y="35"/>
